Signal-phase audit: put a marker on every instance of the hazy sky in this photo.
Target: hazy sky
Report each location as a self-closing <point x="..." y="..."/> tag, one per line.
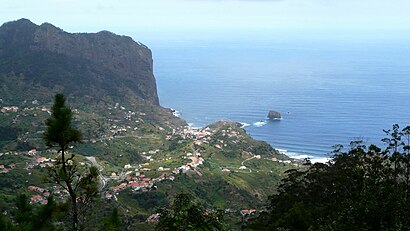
<point x="125" y="16"/>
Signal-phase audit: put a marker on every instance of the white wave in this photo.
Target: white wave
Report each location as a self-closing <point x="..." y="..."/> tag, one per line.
<point x="302" y="156"/>
<point x="192" y="126"/>
<point x="277" y="118"/>
<point x="282" y="151"/>
<point x="259" y="123"/>
<point x="244" y="124"/>
<point x="320" y="160"/>
<point x="175" y="112"/>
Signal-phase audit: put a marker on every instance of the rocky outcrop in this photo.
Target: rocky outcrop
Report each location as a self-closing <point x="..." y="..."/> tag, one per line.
<point x="93" y="64"/>
<point x="274" y="115"/>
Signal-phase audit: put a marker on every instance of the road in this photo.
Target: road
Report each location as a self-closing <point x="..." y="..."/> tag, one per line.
<point x="103" y="180"/>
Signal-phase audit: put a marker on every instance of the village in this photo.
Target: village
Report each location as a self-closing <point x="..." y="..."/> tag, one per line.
<point x="137" y="177"/>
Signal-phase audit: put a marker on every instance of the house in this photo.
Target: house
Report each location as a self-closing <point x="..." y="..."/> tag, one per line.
<point x="153" y="218"/>
<point x="108" y="195"/>
<point x="123" y="185"/>
<point x="32" y="152"/>
<point x="248" y="212"/>
<point x="41" y="160"/>
<point x="38" y="199"/>
<point x="127" y="166"/>
<point x="133" y="184"/>
<point x="32" y="188"/>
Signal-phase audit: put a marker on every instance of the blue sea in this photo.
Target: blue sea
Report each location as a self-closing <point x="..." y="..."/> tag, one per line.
<point x="328" y="91"/>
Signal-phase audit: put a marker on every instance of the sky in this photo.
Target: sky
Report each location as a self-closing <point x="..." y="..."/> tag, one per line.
<point x="166" y="17"/>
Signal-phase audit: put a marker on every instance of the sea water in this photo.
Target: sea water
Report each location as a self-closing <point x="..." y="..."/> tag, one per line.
<point x="328" y="92"/>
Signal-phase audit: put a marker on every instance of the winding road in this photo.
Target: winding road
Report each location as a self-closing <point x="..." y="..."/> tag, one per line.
<point x="103" y="179"/>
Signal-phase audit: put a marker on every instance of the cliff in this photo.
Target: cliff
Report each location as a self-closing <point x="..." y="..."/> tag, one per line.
<point x="97" y="65"/>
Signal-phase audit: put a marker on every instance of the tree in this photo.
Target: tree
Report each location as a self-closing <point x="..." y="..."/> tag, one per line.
<point x="33" y="217"/>
<point x="185" y="214"/>
<point x="364" y="188"/>
<point x="61" y="133"/>
<point x="6" y="224"/>
<point x="24" y="213"/>
<point x="112" y="222"/>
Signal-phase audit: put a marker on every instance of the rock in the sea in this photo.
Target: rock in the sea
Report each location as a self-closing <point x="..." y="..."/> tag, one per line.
<point x="274" y="115"/>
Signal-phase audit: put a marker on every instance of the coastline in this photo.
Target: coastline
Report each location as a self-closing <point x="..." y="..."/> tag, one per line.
<point x="292" y="155"/>
<point x="302" y="156"/>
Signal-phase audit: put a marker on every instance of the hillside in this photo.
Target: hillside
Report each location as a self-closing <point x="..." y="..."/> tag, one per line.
<point x="106" y="78"/>
<point x="88" y="65"/>
<point x="145" y="154"/>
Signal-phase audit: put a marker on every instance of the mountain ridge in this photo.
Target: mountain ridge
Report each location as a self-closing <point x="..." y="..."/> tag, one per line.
<point x="93" y="62"/>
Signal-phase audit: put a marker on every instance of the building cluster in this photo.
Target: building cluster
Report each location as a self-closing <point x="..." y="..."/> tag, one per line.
<point x="140" y="182"/>
<point x="9" y="109"/>
<point x="41" y="162"/>
<point x="196" y="134"/>
<point x="42" y="194"/>
<point x="6" y="168"/>
<point x="40" y="198"/>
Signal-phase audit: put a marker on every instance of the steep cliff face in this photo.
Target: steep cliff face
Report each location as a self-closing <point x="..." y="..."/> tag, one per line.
<point x="97" y="65"/>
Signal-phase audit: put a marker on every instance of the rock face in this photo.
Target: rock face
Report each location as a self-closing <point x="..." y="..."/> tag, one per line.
<point x="89" y="64"/>
<point x="274" y="115"/>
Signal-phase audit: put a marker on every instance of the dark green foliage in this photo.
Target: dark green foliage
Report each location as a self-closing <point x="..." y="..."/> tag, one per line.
<point x="9" y="133"/>
<point x="186" y="214"/>
<point x="364" y="188"/>
<point x="150" y="200"/>
<point x="24" y="212"/>
<point x="33" y="217"/>
<point x="6" y="224"/>
<point x="83" y="64"/>
<point x="43" y="219"/>
<point x="82" y="188"/>
<point x="59" y="129"/>
<point x="112" y="222"/>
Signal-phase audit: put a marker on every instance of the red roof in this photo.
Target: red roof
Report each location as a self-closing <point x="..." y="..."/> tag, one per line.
<point x="134" y="184"/>
<point x="41" y="159"/>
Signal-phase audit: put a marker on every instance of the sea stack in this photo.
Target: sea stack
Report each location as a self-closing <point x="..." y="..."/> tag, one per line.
<point x="274" y="115"/>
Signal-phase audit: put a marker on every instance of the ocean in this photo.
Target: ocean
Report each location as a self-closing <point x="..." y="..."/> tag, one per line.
<point x="328" y="92"/>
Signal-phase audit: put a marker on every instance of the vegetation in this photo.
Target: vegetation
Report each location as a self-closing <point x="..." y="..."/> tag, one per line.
<point x="185" y="215"/>
<point x="60" y="132"/>
<point x="364" y="188"/>
<point x="115" y="107"/>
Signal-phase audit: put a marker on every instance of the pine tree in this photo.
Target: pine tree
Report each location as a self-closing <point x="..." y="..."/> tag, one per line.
<point x="60" y="133"/>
